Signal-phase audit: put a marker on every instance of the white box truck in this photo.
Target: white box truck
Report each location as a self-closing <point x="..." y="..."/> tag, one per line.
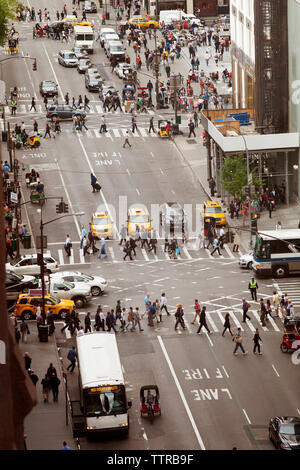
<point x="84" y="37"/>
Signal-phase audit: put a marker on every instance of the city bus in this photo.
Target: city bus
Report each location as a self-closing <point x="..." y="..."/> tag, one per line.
<point x="277" y="253"/>
<point x="102" y="406"/>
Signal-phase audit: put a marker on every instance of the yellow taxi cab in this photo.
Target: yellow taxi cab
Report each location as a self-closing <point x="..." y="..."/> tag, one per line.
<point x="73" y="21"/>
<point x="214" y="210"/>
<point x="138" y="216"/>
<point x="27" y="303"/>
<point x="101" y="225"/>
<point x="144" y="22"/>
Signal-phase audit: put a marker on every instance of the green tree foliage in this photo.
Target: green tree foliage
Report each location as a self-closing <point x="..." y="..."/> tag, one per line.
<point x="234" y="176"/>
<point x="8" y="10"/>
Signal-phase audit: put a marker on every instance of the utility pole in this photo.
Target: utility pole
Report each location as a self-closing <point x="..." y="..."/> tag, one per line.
<point x="156" y="70"/>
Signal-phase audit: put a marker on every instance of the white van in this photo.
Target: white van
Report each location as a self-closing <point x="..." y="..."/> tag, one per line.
<point x="171" y="15"/>
<point x="115" y="50"/>
<point x="84" y="37"/>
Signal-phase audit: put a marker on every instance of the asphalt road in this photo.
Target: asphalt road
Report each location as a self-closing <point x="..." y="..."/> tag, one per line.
<point x="210" y="398"/>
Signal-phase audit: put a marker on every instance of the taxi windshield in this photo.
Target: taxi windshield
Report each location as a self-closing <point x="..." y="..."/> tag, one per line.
<point x="136" y="219"/>
<point x="101" y="221"/>
<point x="214" y="210"/>
<point x="57" y="301"/>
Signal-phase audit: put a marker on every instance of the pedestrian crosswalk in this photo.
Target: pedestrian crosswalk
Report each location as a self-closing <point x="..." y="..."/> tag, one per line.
<point x="188" y="253"/>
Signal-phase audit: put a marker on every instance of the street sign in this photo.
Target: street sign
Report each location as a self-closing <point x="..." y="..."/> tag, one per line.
<point x="14" y="197"/>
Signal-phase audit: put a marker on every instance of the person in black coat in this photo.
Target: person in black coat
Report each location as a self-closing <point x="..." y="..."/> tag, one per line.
<point x="33" y="377"/>
<point x="227" y="325"/>
<point x="202" y="320"/>
<point x="256" y="340"/>
<point x="27" y="360"/>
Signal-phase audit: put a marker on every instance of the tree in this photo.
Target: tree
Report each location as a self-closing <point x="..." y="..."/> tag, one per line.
<point x="234" y="176"/>
<point x="8" y="10"/>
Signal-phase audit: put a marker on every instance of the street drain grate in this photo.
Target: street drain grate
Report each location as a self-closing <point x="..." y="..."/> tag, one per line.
<point x="191" y="141"/>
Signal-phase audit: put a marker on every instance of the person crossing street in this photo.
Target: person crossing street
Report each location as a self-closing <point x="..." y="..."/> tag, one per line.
<point x="33" y="104"/>
<point x="126" y="140"/>
<point x="256" y="340"/>
<point x="202" y="321"/>
<point x="197" y="311"/>
<point x="151" y="125"/>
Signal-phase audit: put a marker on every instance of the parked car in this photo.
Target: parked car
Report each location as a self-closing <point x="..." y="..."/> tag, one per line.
<point x="28" y="264"/>
<point x="97" y="284"/>
<point x="17" y="284"/>
<point x="64" y="112"/>
<point x="93" y="80"/>
<point x="48" y="88"/>
<point x="78" y="292"/>
<point x="67" y="59"/>
<point x="83" y="65"/>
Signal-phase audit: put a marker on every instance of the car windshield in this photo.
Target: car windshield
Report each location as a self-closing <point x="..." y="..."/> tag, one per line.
<point x="214" y="210"/>
<point x="116" y="48"/>
<point x="57" y="301"/>
<point x="105" y="403"/>
<point x="70" y="55"/>
<point x="15" y="261"/>
<point x="290" y="429"/>
<point x="101" y="221"/>
<point x="141" y="218"/>
<point x="49" y="85"/>
<point x="86" y="276"/>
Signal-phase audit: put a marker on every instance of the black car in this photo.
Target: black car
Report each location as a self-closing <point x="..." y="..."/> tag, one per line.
<point x="172" y="217"/>
<point x="48" y="88"/>
<point x="83" y="65"/>
<point x="16" y="284"/>
<point x="284" y="432"/>
<point x="93" y="81"/>
<point x="63" y="111"/>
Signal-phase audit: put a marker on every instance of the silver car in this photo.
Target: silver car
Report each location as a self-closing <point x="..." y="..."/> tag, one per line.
<point x="246" y="261"/>
<point x="67" y="59"/>
<point x="97" y="284"/>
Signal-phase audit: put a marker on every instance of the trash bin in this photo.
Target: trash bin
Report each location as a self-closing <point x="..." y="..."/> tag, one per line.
<point x="14" y="244"/>
<point x="4" y="136"/>
<point x="43" y="333"/>
<point x="178" y="119"/>
<point x="27" y="241"/>
<point x="107" y="15"/>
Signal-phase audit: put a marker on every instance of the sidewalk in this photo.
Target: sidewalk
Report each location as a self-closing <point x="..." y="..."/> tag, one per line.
<point x="45" y="426"/>
<point x="195" y="156"/>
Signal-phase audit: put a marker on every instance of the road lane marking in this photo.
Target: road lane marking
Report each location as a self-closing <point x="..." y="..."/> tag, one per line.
<point x="275" y="370"/>
<point x="187" y="408"/>
<point x="53" y="71"/>
<point x="247" y="417"/>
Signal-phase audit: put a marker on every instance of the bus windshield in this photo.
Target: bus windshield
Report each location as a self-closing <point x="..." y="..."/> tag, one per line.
<point x="105" y="402"/>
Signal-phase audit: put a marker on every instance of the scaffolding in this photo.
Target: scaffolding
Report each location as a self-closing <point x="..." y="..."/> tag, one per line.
<point x="271" y="66"/>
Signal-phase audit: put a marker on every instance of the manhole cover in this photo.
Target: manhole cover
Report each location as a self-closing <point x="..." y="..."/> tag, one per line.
<point x="191" y="141"/>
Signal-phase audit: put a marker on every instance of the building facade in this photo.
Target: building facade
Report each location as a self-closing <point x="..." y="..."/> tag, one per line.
<point x="243" y="52"/>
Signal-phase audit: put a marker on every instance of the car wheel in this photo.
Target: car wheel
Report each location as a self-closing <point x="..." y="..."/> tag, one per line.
<point x="27" y="314"/>
<point x="79" y="302"/>
<point x="63" y="313"/>
<point x="96" y="291"/>
<point x="249" y="265"/>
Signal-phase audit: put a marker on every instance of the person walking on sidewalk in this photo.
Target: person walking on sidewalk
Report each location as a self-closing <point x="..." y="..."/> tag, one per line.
<point x="227" y="325"/>
<point x="237" y="241"/>
<point x="72" y="356"/>
<point x="123" y="234"/>
<point x="192" y="129"/>
<point x="246" y="307"/>
<point x="27" y="360"/>
<point x="253" y="286"/>
<point x="238" y="339"/>
<point x="197" y="311"/>
<point x="202" y="321"/>
<point x="68" y="321"/>
<point x="87" y="323"/>
<point x="45" y="388"/>
<point x="54" y="383"/>
<point x="256" y="340"/>
<point x="102" y="249"/>
<point x="24" y="331"/>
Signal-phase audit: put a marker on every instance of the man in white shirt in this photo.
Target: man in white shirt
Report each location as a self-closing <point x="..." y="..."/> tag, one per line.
<point x="222" y="237"/>
<point x="68" y="245"/>
<point x="163" y="303"/>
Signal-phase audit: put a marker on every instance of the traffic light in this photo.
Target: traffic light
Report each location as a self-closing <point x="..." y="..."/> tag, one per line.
<point x="60" y="208"/>
<point x="34" y="65"/>
<point x="65" y="208"/>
